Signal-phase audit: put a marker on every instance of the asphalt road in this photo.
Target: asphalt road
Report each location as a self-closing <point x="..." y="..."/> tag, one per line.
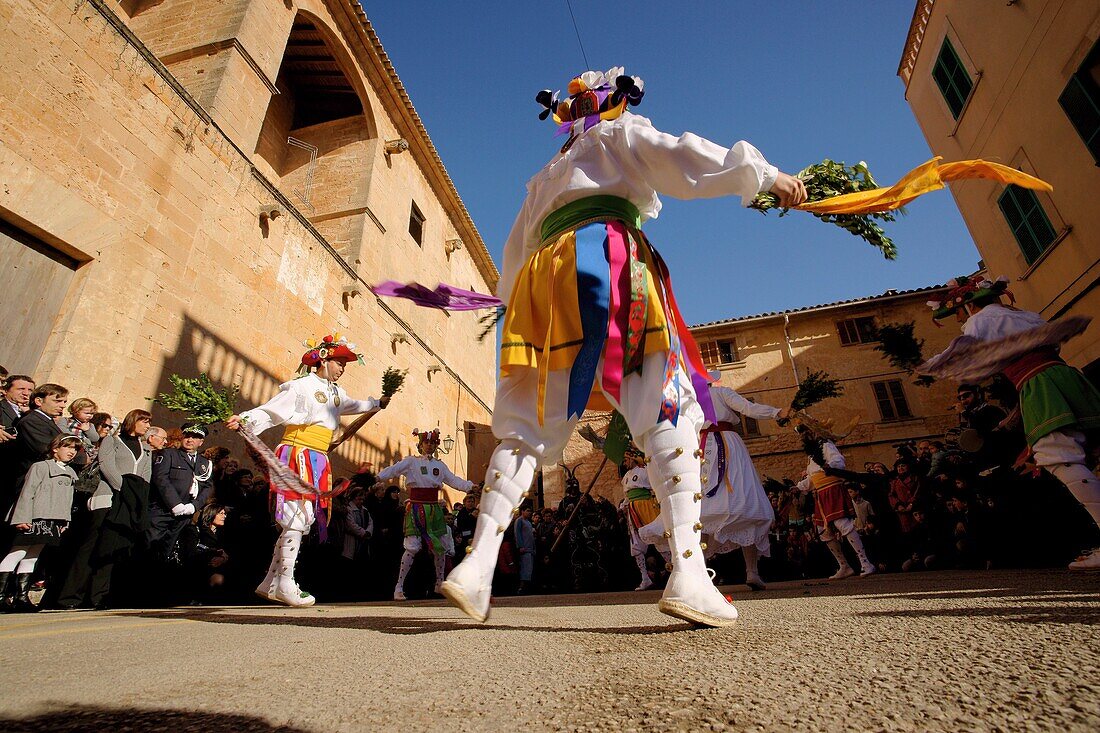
<point x="937" y="651"/>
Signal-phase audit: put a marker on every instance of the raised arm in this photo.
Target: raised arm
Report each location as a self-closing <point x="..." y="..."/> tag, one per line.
<point x="349" y="406"/>
<point x="455" y="482"/>
<point x="737" y="403"/>
<point x="690" y="167"/>
<point x="275" y="411"/>
<point x="393" y="471"/>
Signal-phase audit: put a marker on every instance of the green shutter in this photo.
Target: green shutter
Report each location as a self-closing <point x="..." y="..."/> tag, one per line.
<point x="1081" y="102"/>
<point x="952" y="78"/>
<point x="1027" y="220"/>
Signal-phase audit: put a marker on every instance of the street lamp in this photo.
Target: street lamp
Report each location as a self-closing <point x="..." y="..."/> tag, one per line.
<point x="446" y="445"/>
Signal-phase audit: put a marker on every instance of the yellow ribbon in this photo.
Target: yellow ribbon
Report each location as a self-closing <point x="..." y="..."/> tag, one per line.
<point x="932" y="176"/>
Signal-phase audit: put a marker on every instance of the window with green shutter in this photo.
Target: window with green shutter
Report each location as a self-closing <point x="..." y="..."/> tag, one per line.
<point x="1081" y="102"/>
<point x="952" y="78"/>
<point x="1027" y="220"/>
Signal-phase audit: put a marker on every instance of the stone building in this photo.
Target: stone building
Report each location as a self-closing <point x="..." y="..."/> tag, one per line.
<point x="1019" y="83"/>
<point x="765" y="356"/>
<point x="199" y="185"/>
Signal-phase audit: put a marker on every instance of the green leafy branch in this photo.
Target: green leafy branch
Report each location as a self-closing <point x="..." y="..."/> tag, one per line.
<point x="200" y="399"/>
<point x="392" y="380"/>
<point x="815" y="387"/>
<point x="902" y="349"/>
<point x="829" y="179"/>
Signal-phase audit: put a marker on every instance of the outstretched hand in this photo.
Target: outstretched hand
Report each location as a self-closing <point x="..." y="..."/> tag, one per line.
<point x="234" y="423"/>
<point x="790" y="190"/>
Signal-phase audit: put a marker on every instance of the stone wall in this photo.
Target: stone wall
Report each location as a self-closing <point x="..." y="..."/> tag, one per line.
<point x="106" y="157"/>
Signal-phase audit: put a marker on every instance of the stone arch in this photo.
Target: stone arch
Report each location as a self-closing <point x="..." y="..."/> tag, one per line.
<point x="319" y="134"/>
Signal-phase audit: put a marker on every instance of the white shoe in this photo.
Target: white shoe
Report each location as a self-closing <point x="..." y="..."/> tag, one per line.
<point x="868" y="570"/>
<point x="398" y="594"/>
<point x="845" y="571"/>
<point x="468" y="591"/>
<point x="755" y="582"/>
<point x="1087" y="561"/>
<point x="266" y="589"/>
<point x="289" y="594"/>
<point x="438" y="589"/>
<point x="694" y="598"/>
<point x="646" y="584"/>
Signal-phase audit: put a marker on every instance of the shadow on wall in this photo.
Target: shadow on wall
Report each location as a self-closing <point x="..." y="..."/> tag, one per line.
<point x="84" y="717"/>
<point x="199" y="349"/>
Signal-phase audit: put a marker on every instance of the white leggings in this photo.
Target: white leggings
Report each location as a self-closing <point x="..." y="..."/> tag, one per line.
<point x="22" y="560"/>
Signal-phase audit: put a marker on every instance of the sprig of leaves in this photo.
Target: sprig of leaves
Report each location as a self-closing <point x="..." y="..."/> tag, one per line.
<point x="829" y="179"/>
<point x="902" y="349"/>
<point x="204" y="403"/>
<point x="814" y="388"/>
<point x="392" y="380"/>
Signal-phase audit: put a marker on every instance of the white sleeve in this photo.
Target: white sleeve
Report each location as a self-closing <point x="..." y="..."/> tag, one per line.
<point x="393" y="471"/>
<point x="275" y="411"/>
<point x="737" y="403"/>
<point x="349" y="406"/>
<point x="832" y="455"/>
<point x="515" y="254"/>
<point x="803" y="485"/>
<point x="692" y="167"/>
<point x="454" y="481"/>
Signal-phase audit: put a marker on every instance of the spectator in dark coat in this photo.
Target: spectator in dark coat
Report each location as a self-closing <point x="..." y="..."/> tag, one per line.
<point x="34" y="431"/>
<point x="182" y="483"/>
<point x="123" y="455"/>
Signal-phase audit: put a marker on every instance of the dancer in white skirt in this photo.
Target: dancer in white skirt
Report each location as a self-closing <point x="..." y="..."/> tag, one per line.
<point x="736" y="511"/>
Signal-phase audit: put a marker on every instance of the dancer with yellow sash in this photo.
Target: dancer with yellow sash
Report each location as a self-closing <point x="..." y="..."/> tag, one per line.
<point x="591" y="319"/>
<point x="309" y="408"/>
<point x="834" y="512"/>
<point x="425" y="523"/>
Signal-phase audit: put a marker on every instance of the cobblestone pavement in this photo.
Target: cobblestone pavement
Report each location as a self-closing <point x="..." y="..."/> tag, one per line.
<point x="1001" y="650"/>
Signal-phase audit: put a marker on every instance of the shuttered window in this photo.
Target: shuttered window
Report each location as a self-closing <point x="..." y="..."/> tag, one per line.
<point x="416" y="224"/>
<point x="1081" y="102"/>
<point x="952" y="78"/>
<point x="890" y="396"/>
<point x="1027" y="220"/>
<point x="856" y="331"/>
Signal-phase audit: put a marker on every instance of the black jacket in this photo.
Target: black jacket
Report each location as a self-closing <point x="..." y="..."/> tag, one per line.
<point x="36" y="430"/>
<point x="172" y="477"/>
<point x="8" y="415"/>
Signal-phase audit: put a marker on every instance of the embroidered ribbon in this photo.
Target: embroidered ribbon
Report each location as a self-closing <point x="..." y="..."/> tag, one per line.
<point x="544" y="362"/>
<point x="693" y="363"/>
<point x="592" y="297"/>
<point x="618" y="259"/>
<point x="638" y="315"/>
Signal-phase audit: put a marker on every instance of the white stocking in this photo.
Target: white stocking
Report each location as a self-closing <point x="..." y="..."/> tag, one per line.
<point x="26" y="565"/>
<point x="511" y="471"/>
<point x="1082" y="483"/>
<point x="9" y="563"/>
<point x="406" y="565"/>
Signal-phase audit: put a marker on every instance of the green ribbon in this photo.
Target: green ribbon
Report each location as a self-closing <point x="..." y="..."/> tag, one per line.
<point x="590" y="207"/>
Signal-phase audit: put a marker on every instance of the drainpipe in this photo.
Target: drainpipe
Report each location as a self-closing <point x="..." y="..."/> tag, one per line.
<point x="790" y="351"/>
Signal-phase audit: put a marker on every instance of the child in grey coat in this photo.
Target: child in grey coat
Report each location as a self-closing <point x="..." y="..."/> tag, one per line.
<point x="41" y="513"/>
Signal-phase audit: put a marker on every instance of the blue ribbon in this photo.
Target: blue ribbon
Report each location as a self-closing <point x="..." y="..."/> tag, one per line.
<point x="593" y="295"/>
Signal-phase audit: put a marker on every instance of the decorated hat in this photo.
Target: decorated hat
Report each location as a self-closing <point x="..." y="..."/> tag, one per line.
<point x="196" y="430"/>
<point x="966" y="289"/>
<point x="431" y="434"/>
<point x="329" y="348"/>
<point x="594" y="97"/>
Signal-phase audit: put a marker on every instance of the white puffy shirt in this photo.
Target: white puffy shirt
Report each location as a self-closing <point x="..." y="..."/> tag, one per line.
<point x="424" y="473"/>
<point x="995" y="322"/>
<point x="832" y="457"/>
<point x="636" y="478"/>
<point x="728" y="405"/>
<point x="628" y="157"/>
<point x="297" y="404"/>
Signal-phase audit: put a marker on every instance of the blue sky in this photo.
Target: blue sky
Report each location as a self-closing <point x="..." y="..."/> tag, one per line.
<point x="802" y="81"/>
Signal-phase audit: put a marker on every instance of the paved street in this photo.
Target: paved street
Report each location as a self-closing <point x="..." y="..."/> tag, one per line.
<point x="937" y="651"/>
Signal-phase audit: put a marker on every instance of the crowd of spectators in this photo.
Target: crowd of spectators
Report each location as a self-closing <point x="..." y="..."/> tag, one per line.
<point x="968" y="499"/>
<point x="159" y="518"/>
